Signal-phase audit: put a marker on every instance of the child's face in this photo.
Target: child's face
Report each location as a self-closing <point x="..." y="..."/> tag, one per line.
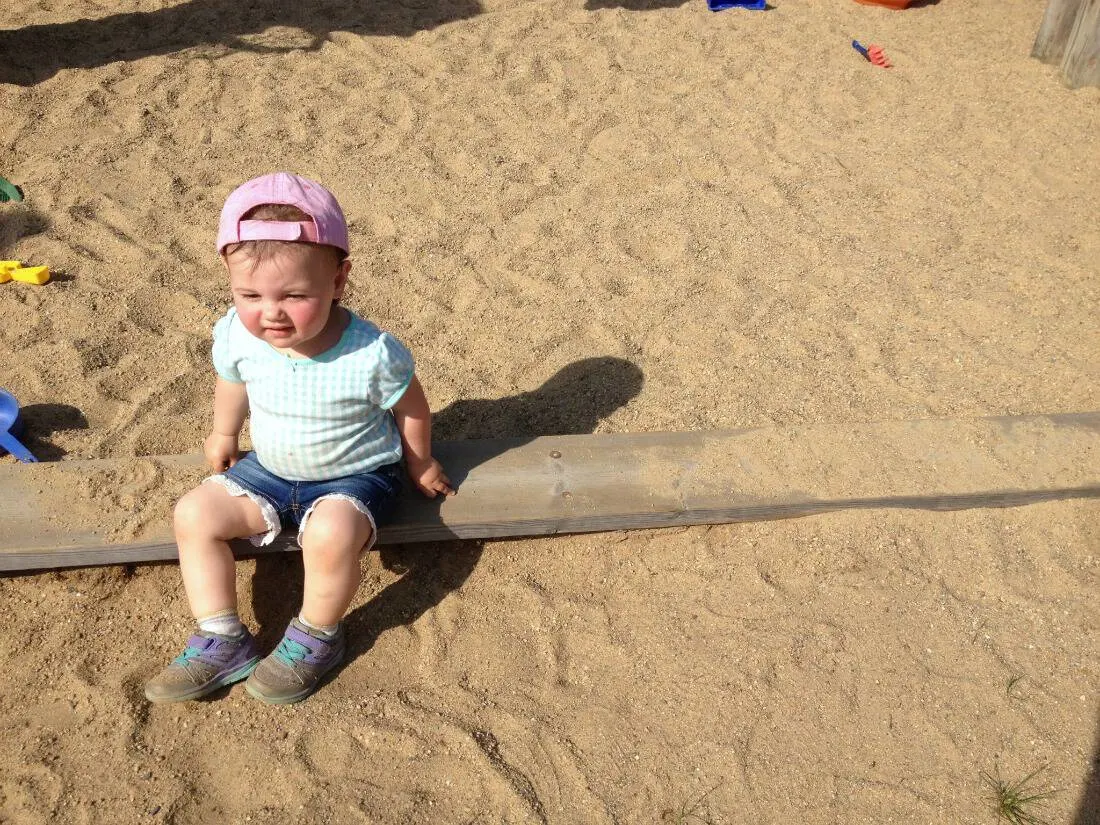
<point x="287" y="300"/>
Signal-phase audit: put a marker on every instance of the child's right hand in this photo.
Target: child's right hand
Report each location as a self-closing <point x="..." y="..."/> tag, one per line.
<point x="428" y="476"/>
<point x="221" y="451"/>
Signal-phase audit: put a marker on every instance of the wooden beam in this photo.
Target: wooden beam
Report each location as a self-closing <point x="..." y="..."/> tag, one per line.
<point x="1070" y="36"/>
<point x="1081" y="62"/>
<point x="584" y="483"/>
<point x="1054" y="31"/>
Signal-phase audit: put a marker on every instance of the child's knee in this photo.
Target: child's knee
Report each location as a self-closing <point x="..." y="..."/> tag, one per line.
<point x="335" y="527"/>
<point x="204" y="513"/>
<point x="191" y="515"/>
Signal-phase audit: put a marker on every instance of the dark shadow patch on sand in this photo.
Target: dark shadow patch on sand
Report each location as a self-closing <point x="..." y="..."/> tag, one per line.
<point x="40" y="421"/>
<point x="1088" y="809"/>
<point x="35" y="53"/>
<point x="19" y="220"/>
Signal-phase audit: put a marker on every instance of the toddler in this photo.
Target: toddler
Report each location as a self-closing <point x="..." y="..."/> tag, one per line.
<point x="334" y="405"/>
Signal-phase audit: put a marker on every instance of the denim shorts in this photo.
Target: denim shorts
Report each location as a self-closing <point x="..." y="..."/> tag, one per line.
<point x="290" y="503"/>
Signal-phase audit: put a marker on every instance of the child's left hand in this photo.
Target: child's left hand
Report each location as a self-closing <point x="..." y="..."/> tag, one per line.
<point x="429" y="478"/>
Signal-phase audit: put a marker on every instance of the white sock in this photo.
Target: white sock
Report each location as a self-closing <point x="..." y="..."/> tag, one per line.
<point x="325" y="629"/>
<point x="224" y="623"/>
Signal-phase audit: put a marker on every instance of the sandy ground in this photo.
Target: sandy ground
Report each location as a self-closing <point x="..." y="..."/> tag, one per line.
<point x="746" y="225"/>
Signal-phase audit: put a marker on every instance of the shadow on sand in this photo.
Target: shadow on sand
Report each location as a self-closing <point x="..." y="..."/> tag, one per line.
<point x="1088" y="809"/>
<point x="35" y="53"/>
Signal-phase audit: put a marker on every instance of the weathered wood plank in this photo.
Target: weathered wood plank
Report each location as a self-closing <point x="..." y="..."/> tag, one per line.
<point x="1081" y="61"/>
<point x="1054" y="32"/>
<point x="584" y="483"/>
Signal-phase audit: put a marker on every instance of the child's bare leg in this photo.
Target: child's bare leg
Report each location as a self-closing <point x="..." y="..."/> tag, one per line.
<point x="335" y="535"/>
<point x="205" y="519"/>
<point x="314" y="644"/>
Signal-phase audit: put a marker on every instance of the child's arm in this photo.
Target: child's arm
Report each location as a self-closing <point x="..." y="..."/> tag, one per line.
<point x="230" y="409"/>
<point x="414" y="422"/>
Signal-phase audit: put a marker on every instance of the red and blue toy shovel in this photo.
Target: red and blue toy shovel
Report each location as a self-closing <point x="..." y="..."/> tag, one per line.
<point x="873" y="53"/>
<point x="11" y="427"/>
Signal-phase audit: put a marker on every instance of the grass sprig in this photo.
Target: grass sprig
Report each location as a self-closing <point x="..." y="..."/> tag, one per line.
<point x="1014" y="801"/>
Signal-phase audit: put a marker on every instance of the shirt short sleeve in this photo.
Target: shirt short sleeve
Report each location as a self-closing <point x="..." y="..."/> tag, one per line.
<point x="392" y="373"/>
<point x="225" y="361"/>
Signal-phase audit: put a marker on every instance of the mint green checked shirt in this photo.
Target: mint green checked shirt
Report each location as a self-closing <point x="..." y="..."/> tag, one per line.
<point x="319" y="418"/>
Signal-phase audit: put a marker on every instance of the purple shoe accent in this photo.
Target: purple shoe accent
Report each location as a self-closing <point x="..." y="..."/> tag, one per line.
<point x="219" y="650"/>
<point x="209" y="662"/>
<point x="320" y="650"/>
<point x="296" y="668"/>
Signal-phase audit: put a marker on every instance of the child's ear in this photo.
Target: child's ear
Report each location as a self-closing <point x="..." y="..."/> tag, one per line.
<point x="342" y="278"/>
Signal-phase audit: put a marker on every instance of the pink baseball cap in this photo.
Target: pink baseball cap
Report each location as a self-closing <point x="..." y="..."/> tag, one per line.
<point x="327" y="227"/>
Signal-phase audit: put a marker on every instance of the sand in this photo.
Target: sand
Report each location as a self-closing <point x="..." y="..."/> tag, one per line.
<point x="746" y="226"/>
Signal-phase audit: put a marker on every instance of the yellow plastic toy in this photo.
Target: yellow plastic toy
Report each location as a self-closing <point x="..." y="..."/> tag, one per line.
<point x="37" y="275"/>
<point x="15" y="271"/>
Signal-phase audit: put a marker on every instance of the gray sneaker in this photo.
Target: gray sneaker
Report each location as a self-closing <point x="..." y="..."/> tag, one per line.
<point x="210" y="661"/>
<point x="296" y="667"/>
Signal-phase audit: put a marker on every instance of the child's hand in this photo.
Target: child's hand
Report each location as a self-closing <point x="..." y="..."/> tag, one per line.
<point x="221" y="451"/>
<point x="429" y="477"/>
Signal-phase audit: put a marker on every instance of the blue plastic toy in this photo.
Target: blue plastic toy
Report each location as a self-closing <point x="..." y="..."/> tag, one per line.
<point x="719" y="5"/>
<point x="11" y="427"/>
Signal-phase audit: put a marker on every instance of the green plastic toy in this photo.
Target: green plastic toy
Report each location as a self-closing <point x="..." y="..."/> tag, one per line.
<point x="9" y="191"/>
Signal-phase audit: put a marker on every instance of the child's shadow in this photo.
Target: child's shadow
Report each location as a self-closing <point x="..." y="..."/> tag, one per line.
<point x="573" y="401"/>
